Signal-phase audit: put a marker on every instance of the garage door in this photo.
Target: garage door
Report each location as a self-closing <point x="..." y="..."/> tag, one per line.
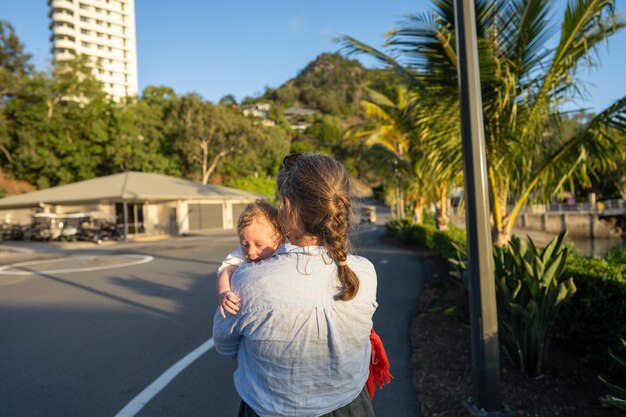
<point x="205" y="216"/>
<point x="237" y="209"/>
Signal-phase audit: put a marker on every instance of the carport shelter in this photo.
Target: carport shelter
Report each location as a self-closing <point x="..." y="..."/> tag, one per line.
<point x="138" y="202"/>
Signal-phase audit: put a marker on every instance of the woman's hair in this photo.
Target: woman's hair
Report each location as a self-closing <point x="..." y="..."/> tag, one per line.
<point x="318" y="190"/>
<point x="252" y="212"/>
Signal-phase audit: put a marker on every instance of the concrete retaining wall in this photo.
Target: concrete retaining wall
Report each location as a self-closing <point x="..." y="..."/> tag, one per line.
<point x="577" y="224"/>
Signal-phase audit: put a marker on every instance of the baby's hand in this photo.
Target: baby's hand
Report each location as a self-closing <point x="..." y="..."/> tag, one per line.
<point x="229" y="302"/>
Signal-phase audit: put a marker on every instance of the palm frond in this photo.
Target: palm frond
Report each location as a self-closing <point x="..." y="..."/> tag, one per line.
<point x="351" y="46"/>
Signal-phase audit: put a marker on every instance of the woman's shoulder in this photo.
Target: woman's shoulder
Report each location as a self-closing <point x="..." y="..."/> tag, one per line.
<point x="357" y="261"/>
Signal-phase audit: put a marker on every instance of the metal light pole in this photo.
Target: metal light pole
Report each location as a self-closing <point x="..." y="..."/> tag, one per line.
<point x="487" y="399"/>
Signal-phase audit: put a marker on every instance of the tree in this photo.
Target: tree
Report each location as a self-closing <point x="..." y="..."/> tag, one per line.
<point x="389" y="135"/>
<point x="14" y="61"/>
<point x="59" y="126"/>
<point x="15" y="67"/>
<point x="208" y="133"/>
<point x="524" y="85"/>
<point x="141" y="134"/>
<point x="228" y="100"/>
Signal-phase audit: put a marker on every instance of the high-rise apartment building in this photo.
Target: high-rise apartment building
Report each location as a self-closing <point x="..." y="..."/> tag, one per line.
<point x="104" y="30"/>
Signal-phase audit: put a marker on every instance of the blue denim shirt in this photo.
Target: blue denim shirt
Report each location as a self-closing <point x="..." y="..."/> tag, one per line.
<point x="300" y="352"/>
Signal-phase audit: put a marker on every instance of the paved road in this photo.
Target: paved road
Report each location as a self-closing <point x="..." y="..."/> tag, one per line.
<point x="86" y="344"/>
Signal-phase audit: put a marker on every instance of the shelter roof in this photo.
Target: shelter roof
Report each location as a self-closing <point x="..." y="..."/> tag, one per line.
<point x="129" y="186"/>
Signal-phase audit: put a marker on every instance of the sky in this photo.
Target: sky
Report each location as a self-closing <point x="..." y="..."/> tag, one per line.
<point x="215" y="47"/>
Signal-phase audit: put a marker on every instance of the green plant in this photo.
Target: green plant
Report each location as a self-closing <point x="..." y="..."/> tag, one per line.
<point x="594" y="319"/>
<point x="613" y="400"/>
<point x="617" y="255"/>
<point x="529" y="290"/>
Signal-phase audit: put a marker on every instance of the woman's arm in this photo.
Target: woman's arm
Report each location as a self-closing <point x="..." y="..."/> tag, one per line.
<point x="226" y="335"/>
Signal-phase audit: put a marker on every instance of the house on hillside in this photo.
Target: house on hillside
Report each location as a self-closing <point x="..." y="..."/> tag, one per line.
<point x="260" y="111"/>
<point x="299" y="117"/>
<point x="139" y="203"/>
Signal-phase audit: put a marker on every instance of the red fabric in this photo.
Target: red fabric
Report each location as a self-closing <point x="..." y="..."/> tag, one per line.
<point x="379" y="365"/>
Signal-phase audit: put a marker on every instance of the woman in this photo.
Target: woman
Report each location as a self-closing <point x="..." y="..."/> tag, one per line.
<point x="301" y="335"/>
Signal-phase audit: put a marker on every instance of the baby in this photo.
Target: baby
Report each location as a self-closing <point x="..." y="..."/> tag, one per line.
<point x="260" y="237"/>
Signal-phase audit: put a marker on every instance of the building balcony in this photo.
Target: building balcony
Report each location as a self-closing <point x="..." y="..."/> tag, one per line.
<point x="66" y="3"/>
<point x="62" y="17"/>
<point x="64" y="43"/>
<point x="63" y="55"/>
<point x="61" y="4"/>
<point x="63" y="30"/>
<point x="61" y="10"/>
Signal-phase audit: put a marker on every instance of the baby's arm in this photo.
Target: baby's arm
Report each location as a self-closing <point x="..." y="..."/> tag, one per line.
<point x="228" y="300"/>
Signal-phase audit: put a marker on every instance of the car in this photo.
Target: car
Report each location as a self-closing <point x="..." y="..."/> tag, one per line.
<point x="368" y="214"/>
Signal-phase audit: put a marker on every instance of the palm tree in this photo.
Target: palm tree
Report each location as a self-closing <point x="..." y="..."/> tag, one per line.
<point x="524" y="85"/>
<point x="416" y="142"/>
<point x="387" y="134"/>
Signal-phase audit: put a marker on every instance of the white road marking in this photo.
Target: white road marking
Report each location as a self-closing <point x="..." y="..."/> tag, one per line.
<point x="139" y="402"/>
<point x="10" y="269"/>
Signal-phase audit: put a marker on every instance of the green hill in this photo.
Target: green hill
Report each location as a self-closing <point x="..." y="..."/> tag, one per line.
<point x="331" y="84"/>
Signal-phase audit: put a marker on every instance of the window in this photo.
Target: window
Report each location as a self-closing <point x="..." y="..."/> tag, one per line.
<point x="98" y="10"/>
<point x="99" y="34"/>
<point x="85" y="44"/>
<point x="98" y="22"/>
<point x="84" y="6"/>
<point x="100" y="47"/>
<point x="84" y="19"/>
<point x="101" y="72"/>
<point x="84" y="32"/>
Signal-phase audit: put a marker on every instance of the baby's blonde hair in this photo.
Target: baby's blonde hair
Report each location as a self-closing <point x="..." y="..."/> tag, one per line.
<point x="252" y="212"/>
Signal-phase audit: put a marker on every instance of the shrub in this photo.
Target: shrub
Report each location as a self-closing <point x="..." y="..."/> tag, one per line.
<point x="427" y="235"/>
<point x="594" y="320"/>
<point x="617" y="255"/>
